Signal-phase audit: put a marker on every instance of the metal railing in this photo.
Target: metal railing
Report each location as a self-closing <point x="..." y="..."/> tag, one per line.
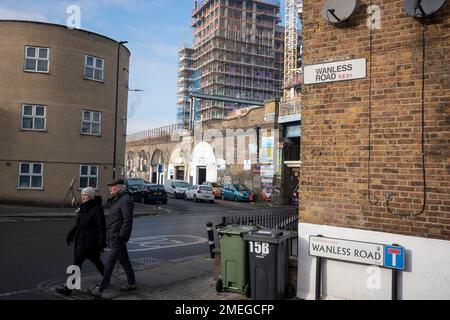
<point x="290" y="107"/>
<point x="156" y="133"/>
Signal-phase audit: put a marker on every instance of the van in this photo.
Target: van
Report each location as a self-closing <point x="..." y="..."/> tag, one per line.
<point x="177" y="188"/>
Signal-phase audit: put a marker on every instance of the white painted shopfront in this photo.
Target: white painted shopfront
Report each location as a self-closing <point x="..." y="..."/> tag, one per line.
<point x="203" y="165"/>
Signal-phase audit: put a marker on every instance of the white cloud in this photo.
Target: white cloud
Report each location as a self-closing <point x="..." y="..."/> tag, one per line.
<point x="9" y="14"/>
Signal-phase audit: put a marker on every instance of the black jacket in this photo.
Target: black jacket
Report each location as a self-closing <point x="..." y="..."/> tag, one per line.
<point x="120" y="220"/>
<point x="89" y="232"/>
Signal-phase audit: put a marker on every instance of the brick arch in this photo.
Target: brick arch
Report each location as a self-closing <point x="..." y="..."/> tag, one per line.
<point x="157" y="157"/>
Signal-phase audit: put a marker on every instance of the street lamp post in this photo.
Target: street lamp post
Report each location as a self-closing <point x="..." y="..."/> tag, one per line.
<point x="119" y="44"/>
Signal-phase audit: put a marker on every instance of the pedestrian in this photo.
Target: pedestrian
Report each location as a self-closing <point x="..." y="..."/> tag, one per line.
<point x="88" y="234"/>
<point x="119" y="227"/>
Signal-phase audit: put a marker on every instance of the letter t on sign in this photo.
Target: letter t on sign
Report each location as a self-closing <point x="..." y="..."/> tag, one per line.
<point x="394" y="253"/>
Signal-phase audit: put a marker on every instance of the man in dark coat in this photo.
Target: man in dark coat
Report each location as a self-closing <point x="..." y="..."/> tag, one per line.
<point x="88" y="234"/>
<point x="119" y="227"/>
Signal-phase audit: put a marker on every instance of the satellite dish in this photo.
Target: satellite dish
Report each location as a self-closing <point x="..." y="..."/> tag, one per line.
<point x="422" y="8"/>
<point x="336" y="11"/>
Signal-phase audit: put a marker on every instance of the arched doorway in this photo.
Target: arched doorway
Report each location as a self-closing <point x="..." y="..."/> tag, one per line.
<point x="157" y="166"/>
<point x="177" y="166"/>
<point x="130" y="169"/>
<point x="143" y="165"/>
<point x="204" y="166"/>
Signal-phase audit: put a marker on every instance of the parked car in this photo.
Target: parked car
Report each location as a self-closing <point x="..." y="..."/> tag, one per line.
<point x="177" y="188"/>
<point x="154" y="193"/>
<point x="217" y="188"/>
<point x="135" y="187"/>
<point x="236" y="192"/>
<point x="200" y="193"/>
<point x="295" y="197"/>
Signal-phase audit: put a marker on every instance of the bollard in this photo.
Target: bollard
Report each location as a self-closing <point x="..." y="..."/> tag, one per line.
<point x="210" y="230"/>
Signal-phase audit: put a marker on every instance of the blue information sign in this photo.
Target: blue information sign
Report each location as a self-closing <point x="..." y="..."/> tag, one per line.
<point x="394" y="257"/>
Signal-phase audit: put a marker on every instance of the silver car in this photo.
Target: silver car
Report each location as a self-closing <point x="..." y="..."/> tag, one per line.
<point x="200" y="193"/>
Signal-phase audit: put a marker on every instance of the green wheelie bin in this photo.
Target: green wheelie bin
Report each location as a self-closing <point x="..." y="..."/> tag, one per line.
<point x="234" y="259"/>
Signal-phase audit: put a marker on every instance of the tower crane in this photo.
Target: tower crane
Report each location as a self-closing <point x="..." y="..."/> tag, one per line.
<point x="294" y="10"/>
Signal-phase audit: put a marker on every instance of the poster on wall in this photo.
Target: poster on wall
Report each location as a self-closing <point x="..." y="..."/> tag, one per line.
<point x="221" y="164"/>
<point x="247" y="165"/>
<point x="279" y="163"/>
<point x="266" y="189"/>
<point x="266" y="151"/>
<point x="253" y="152"/>
<point x="267" y="171"/>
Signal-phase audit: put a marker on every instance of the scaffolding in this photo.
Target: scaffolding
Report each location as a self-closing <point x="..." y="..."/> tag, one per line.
<point x="290" y="103"/>
<point x="238" y="53"/>
<point x="186" y="69"/>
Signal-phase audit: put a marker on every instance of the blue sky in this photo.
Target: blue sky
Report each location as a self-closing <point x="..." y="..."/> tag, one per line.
<point x="155" y="29"/>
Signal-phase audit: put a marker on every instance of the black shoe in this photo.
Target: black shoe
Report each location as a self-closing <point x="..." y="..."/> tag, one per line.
<point x="64" y="291"/>
<point x="95" y="292"/>
<point x="128" y="287"/>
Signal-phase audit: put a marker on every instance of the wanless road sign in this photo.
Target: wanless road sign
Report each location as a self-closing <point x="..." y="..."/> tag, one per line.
<point x="387" y="256"/>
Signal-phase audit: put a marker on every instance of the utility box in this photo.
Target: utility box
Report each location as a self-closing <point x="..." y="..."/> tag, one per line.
<point x="234" y="259"/>
<point x="269" y="263"/>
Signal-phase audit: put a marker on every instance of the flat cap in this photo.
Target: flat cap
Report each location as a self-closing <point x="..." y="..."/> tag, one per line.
<point x="116" y="181"/>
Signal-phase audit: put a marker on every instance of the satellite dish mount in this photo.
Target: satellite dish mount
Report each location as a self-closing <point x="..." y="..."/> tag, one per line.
<point x="337" y="11"/>
<point x="422" y="8"/>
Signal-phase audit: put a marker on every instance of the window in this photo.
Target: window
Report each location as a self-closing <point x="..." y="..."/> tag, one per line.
<point x="88" y="176"/>
<point x="30" y="175"/>
<point x="93" y="68"/>
<point x="33" y="117"/>
<point x="37" y="59"/>
<point x="91" y="122"/>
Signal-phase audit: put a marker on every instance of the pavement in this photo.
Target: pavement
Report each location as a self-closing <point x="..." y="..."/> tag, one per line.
<point x="14" y="211"/>
<point x="183" y="279"/>
<point x="24" y="212"/>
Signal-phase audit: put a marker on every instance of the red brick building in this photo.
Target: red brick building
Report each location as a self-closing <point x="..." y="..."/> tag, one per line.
<point x="363" y="176"/>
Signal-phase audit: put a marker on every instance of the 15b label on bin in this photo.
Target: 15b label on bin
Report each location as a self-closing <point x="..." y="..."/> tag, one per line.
<point x="261" y="248"/>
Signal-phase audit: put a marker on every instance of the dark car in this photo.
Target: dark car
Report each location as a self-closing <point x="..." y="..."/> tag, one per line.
<point x="135" y="187"/>
<point x="154" y="193"/>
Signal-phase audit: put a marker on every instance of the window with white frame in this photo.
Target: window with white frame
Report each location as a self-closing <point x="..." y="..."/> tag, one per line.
<point x="91" y="122"/>
<point x="88" y="176"/>
<point x="31" y="175"/>
<point x="37" y="59"/>
<point x="33" y="117"/>
<point x="93" y="68"/>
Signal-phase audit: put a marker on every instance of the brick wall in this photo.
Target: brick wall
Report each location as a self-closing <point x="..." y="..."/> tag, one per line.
<point x="335" y="125"/>
<point x="65" y="93"/>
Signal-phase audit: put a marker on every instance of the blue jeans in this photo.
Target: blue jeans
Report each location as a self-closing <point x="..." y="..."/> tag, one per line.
<point x="119" y="253"/>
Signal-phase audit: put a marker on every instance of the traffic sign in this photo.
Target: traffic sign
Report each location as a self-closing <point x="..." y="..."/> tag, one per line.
<point x="394" y="257"/>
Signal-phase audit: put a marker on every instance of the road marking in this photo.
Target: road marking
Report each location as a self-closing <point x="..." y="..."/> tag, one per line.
<point x="162" y="242"/>
<point x="8" y="294"/>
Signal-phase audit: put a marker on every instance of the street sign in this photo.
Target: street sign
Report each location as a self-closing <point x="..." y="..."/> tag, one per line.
<point x="335" y="71"/>
<point x="394" y="257"/>
<point x="346" y="250"/>
<point x="386" y="256"/>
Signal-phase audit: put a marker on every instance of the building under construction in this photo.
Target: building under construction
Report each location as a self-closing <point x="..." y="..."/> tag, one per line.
<point x="238" y="52"/>
<point x="186" y="69"/>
